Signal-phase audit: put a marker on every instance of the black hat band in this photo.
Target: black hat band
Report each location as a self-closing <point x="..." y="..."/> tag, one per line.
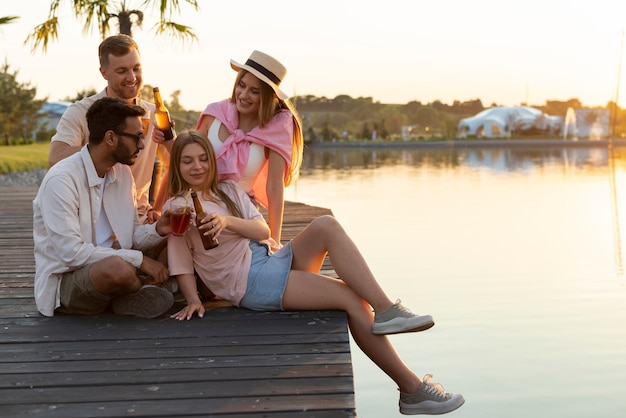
<point x="263" y="71"/>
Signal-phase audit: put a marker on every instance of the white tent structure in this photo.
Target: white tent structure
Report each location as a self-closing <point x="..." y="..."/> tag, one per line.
<point x="501" y="121"/>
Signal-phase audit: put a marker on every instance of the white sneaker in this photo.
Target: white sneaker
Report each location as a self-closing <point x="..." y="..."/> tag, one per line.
<point x="430" y="399"/>
<point x="399" y="319"/>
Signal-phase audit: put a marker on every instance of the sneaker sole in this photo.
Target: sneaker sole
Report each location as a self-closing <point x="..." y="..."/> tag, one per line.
<point x="147" y="302"/>
<point x="401" y="325"/>
<point x="431" y="407"/>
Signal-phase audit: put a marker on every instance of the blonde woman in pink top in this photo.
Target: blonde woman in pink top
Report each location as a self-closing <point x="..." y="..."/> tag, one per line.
<point x="243" y="271"/>
<point x="257" y="136"/>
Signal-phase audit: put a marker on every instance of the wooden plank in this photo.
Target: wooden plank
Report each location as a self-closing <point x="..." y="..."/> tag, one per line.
<point x="218" y="322"/>
<point x="55" y="378"/>
<point x="330" y="404"/>
<point x="181" y="389"/>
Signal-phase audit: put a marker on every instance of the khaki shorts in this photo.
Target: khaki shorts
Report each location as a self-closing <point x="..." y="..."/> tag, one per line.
<point x="78" y="295"/>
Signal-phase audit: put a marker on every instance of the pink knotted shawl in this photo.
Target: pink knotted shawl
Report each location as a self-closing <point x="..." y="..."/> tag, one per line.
<point x="232" y="158"/>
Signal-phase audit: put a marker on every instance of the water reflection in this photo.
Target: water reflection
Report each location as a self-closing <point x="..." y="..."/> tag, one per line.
<point x="617" y="235"/>
<point x="602" y="160"/>
<point x="497" y="159"/>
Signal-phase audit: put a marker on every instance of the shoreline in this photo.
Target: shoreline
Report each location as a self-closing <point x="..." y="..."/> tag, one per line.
<point x="34" y="177"/>
<point x="23" y="178"/>
<point x="475" y="143"/>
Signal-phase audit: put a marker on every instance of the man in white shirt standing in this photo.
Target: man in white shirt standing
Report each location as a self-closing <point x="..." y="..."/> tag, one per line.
<point x="120" y="66"/>
<point x="87" y="234"/>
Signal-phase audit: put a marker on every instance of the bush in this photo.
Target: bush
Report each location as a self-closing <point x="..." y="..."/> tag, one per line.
<point x="28" y="157"/>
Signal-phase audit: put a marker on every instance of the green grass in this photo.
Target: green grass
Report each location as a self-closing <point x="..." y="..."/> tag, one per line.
<point x="16" y="158"/>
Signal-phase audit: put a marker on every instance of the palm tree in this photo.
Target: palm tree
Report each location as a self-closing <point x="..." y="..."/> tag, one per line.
<point x="100" y="11"/>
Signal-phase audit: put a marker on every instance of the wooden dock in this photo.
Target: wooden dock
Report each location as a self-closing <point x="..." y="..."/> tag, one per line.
<point x="231" y="363"/>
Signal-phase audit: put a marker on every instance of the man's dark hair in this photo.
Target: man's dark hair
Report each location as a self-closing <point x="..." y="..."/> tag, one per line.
<point x="107" y="114"/>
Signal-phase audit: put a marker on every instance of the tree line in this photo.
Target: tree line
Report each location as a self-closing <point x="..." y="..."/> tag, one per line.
<point x="347" y="118"/>
<point x="342" y="118"/>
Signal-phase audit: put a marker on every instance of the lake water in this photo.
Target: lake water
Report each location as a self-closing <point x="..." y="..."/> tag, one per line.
<point x="517" y="253"/>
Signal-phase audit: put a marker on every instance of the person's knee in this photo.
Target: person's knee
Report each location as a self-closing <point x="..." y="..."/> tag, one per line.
<point x="327" y="222"/>
<point x="117" y="272"/>
<point x="357" y="307"/>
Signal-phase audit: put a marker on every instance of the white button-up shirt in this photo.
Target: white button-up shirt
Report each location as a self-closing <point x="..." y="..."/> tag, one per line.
<point x="73" y="130"/>
<point x="65" y="213"/>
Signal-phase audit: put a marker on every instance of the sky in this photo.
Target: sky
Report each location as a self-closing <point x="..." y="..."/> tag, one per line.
<point x="503" y="52"/>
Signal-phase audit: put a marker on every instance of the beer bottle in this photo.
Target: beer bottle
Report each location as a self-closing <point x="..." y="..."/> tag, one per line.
<point x="208" y="241"/>
<point x="162" y="116"/>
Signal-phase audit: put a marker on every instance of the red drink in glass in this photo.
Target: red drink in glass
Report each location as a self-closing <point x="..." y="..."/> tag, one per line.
<point x="180" y="219"/>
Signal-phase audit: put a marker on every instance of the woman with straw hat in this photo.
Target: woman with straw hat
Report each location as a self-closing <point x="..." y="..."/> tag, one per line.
<point x="257" y="135"/>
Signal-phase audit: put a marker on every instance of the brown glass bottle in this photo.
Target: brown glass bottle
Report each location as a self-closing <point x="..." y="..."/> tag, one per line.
<point x="162" y="116"/>
<point x="208" y="241"/>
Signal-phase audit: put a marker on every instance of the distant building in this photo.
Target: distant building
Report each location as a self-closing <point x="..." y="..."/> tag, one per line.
<point x="51" y="113"/>
<point x="504" y="121"/>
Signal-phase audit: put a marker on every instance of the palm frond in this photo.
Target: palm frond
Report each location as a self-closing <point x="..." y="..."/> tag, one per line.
<point x="8" y="19"/>
<point x="43" y="34"/>
<point x="54" y="6"/>
<point x="175" y="30"/>
<point x="166" y="7"/>
<point x="95" y="12"/>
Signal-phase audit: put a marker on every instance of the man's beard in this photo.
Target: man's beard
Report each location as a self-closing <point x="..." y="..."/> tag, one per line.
<point x="123" y="155"/>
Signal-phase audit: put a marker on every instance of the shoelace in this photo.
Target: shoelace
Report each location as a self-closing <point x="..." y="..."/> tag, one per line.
<point x="403" y="309"/>
<point x="433" y="388"/>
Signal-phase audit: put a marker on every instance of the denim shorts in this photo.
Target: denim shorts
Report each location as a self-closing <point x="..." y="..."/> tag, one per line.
<point x="267" y="278"/>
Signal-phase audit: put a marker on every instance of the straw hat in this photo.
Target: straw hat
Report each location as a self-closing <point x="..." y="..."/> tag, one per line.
<point x="266" y="68"/>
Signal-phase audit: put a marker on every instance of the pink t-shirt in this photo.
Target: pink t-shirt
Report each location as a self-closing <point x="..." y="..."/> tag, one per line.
<point x="223" y="269"/>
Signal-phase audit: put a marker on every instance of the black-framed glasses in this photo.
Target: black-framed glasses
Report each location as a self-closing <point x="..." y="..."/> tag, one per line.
<point x="136" y="137"/>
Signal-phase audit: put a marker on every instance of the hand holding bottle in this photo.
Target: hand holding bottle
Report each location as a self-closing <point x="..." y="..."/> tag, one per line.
<point x="162" y="116"/>
<point x="213" y="224"/>
<point x="208" y="240"/>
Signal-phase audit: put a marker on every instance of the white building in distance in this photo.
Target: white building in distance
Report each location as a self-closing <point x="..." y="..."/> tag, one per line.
<point x="504" y="121"/>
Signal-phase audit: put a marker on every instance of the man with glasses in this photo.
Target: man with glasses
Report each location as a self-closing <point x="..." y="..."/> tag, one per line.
<point x="120" y="66"/>
<point x="89" y="242"/>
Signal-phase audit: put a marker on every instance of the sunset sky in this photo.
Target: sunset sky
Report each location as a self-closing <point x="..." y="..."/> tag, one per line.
<point x="504" y="52"/>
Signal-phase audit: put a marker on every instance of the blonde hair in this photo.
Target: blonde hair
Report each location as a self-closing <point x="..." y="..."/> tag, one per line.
<point x="213" y="187"/>
<point x="269" y="106"/>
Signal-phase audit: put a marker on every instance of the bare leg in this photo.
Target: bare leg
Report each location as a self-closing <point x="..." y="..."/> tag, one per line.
<point x="114" y="276"/>
<point x="310" y="291"/>
<point x="118" y="279"/>
<point x="356" y="294"/>
<point x="326" y="235"/>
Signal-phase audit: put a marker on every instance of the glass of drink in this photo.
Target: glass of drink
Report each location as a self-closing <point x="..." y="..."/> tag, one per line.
<point x="180" y="217"/>
<point x="145" y="124"/>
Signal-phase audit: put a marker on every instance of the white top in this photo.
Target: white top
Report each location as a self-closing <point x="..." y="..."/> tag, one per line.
<point x="104" y="231"/>
<point x="256" y="159"/>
